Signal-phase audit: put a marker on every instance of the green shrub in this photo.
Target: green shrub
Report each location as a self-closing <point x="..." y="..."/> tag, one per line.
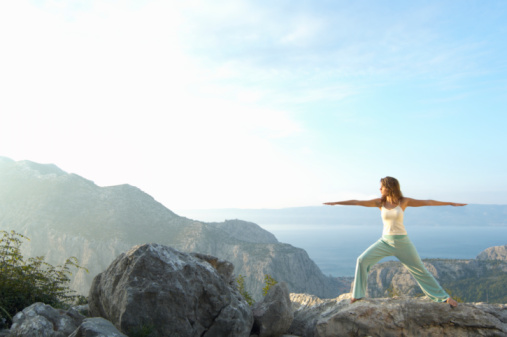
<point x="144" y="330"/>
<point x="240" y="280"/>
<point x="269" y="282"/>
<point x="27" y="281"/>
<point x="393" y="292"/>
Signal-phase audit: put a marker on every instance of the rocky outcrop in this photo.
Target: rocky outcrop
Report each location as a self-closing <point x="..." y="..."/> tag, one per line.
<point x="494" y="253"/>
<point x="314" y="317"/>
<point x="66" y="215"/>
<point x="40" y="319"/>
<point x="174" y="293"/>
<point x="273" y="315"/>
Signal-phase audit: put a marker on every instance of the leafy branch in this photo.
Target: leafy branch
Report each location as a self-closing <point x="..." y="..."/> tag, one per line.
<point x="26" y="281"/>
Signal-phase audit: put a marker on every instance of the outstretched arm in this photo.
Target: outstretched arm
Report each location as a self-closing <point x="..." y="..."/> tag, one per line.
<point x="365" y="203"/>
<point x="409" y="202"/>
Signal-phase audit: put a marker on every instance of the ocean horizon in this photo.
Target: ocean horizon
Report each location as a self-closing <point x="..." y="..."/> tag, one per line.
<point x="335" y="248"/>
<point x="334" y="237"/>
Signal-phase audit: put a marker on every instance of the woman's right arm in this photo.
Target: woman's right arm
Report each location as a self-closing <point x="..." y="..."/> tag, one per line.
<point x="365" y="203"/>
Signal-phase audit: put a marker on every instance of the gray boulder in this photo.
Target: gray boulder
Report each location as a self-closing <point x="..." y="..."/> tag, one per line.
<point x="273" y="315"/>
<point x="172" y="293"/>
<point x="96" y="327"/>
<point x="43" y="320"/>
<point x="395" y="317"/>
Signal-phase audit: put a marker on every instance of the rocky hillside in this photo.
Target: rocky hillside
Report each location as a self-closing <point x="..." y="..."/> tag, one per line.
<point x="158" y="291"/>
<point x="494" y="253"/>
<point x="66" y="215"/>
<point x="476" y="280"/>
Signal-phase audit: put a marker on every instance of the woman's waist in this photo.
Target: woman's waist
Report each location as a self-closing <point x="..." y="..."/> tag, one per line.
<point x="394" y="229"/>
<point x="394" y="237"/>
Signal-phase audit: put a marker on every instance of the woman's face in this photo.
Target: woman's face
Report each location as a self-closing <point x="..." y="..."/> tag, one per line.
<point x="383" y="190"/>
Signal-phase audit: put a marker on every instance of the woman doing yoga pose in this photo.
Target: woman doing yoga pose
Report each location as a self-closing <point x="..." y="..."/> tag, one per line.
<point x="395" y="241"/>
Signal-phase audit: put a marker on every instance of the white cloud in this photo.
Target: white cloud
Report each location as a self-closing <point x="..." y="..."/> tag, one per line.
<point x="108" y="93"/>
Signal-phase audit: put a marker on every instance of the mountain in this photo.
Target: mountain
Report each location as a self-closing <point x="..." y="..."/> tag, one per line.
<point x="473" y="280"/>
<point x="66" y="215"/>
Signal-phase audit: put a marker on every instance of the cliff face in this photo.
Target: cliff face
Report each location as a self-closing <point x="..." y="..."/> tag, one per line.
<point x="66" y="215"/>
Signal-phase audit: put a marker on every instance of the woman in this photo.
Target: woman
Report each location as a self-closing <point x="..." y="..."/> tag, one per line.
<point x="395" y="241"/>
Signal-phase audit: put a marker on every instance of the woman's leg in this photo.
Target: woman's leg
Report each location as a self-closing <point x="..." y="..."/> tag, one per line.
<point x="368" y="258"/>
<point x="407" y="254"/>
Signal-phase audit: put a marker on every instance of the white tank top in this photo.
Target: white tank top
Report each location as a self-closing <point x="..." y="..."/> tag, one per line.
<point x="393" y="221"/>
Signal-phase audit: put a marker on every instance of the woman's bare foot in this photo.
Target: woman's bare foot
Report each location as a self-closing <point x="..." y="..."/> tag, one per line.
<point x="352" y="300"/>
<point x="452" y="302"/>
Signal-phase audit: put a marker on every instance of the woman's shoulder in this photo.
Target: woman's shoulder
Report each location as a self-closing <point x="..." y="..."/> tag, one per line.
<point x="404" y="201"/>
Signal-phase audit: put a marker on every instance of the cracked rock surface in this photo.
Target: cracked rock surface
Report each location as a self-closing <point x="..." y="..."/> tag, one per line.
<point x="172" y="293"/>
<point x="396" y="317"/>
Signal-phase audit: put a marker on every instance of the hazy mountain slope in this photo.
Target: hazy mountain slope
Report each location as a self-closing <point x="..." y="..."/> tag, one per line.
<point x="244" y="231"/>
<point x="66" y="215"/>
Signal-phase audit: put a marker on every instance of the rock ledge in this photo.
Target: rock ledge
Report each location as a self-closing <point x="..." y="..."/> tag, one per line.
<point x="394" y="317"/>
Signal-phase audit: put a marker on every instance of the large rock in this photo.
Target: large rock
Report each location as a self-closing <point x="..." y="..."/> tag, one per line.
<point x="273" y="315"/>
<point x="395" y="317"/>
<point x="174" y="293"/>
<point x="40" y="319"/>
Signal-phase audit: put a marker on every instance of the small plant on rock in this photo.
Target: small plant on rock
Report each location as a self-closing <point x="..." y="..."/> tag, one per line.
<point x="240" y="280"/>
<point x="144" y="330"/>
<point x="269" y="282"/>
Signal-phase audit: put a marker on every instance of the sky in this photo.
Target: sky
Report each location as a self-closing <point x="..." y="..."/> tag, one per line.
<point x="260" y="104"/>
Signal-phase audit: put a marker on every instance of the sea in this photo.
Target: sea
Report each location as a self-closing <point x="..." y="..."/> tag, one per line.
<point x="335" y="248"/>
<point x="334" y="237"/>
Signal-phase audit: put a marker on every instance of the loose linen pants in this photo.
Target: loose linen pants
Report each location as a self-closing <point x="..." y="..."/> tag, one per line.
<point x="402" y="248"/>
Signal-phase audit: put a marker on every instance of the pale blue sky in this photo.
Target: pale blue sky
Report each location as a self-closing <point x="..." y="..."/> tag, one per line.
<point x="260" y="104"/>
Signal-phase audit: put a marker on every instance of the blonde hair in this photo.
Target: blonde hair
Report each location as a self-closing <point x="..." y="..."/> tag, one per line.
<point x="393" y="188"/>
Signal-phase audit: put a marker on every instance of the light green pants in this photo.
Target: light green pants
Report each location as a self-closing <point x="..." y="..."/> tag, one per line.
<point x="402" y="248"/>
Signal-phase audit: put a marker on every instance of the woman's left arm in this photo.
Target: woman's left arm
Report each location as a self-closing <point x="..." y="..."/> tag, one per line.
<point x="409" y="202"/>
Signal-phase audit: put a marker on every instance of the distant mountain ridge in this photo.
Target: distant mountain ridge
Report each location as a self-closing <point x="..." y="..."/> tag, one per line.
<point x="66" y="215"/>
<point x="471" y="215"/>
